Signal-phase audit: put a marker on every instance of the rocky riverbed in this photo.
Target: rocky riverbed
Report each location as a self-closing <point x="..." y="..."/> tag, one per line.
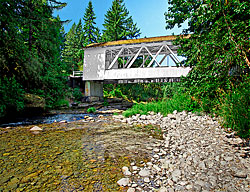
<point x="196" y="154"/>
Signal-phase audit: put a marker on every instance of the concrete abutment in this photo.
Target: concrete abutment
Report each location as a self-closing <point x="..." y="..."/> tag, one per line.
<point x="94" y="90"/>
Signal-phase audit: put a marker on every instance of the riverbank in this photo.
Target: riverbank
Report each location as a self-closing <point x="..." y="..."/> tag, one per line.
<point x="196" y="154"/>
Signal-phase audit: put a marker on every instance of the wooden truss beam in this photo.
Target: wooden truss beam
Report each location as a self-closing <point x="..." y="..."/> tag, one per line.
<point x="143" y="50"/>
<point x="116" y="57"/>
<point x="137" y="54"/>
<point x="154" y="57"/>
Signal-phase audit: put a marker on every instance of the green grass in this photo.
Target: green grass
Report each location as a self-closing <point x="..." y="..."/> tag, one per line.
<point x="180" y="102"/>
<point x="235" y="110"/>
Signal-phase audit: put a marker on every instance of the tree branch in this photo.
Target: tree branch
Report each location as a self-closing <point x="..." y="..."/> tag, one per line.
<point x="239" y="50"/>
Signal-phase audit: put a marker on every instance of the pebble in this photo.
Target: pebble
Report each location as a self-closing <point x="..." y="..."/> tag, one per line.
<point x="131" y="189"/>
<point x="134" y="185"/>
<point x="163" y="189"/>
<point x="123" y="182"/>
<point x="134" y="168"/>
<point x="36" y="128"/>
<point x="126" y="171"/>
<point x="240" y="174"/>
<point x="63" y="121"/>
<point x="146" y="180"/>
<point x="144" y="173"/>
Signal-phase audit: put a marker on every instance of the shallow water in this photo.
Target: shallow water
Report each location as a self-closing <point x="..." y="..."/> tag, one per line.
<point x="46" y="119"/>
<point x="68" y="157"/>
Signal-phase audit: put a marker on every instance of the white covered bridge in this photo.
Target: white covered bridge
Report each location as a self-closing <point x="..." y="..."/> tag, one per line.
<point x="128" y="61"/>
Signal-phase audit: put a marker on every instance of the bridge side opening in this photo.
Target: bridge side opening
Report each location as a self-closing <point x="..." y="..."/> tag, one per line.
<point x="141" y="56"/>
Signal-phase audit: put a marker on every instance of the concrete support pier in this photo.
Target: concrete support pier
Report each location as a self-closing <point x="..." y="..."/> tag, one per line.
<point x="94" y="90"/>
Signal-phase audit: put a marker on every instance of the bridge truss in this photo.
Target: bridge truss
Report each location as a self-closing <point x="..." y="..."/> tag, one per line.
<point x="133" y="60"/>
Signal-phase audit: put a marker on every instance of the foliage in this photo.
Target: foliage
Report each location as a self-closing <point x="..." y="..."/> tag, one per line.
<point x="31" y="42"/>
<point x="105" y="102"/>
<point x="235" y="109"/>
<point x="33" y="101"/>
<point x="11" y="96"/>
<point x="77" y="94"/>
<point x="61" y="103"/>
<point x="219" y="44"/>
<point x="218" y="52"/>
<point x="72" y="53"/>
<point x="180" y="102"/>
<point x="91" y="110"/>
<point x="111" y="91"/>
<point x="141" y="91"/>
<point x="78" y="37"/>
<point x="118" y="24"/>
<point x="91" y="32"/>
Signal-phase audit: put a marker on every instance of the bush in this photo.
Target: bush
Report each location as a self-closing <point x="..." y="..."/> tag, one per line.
<point x="11" y="96"/>
<point x="235" y="109"/>
<point x="142" y="91"/>
<point x="91" y="110"/>
<point x="77" y="94"/>
<point x="62" y="103"/>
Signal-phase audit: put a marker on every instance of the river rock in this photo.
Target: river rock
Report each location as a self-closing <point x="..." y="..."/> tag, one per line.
<point x="131" y="189"/>
<point x="63" y="121"/>
<point x="36" y="128"/>
<point x="123" y="182"/>
<point x="146" y="180"/>
<point x="163" y="189"/>
<point x="240" y="174"/>
<point x="144" y="173"/>
<point x="126" y="171"/>
<point x="134" y="168"/>
<point x="176" y="173"/>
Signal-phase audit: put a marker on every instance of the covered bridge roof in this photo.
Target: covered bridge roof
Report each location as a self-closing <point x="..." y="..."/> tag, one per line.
<point x="135" y="41"/>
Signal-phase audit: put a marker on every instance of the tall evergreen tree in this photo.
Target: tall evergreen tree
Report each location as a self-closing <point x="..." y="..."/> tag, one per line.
<point x="79" y="43"/>
<point x="118" y="24"/>
<point x="72" y="53"/>
<point x="68" y="53"/>
<point x="91" y="32"/>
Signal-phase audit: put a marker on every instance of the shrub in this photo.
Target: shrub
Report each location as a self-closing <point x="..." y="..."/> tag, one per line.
<point x="91" y="110"/>
<point x="11" y="96"/>
<point x="62" y="103"/>
<point x="142" y="91"/>
<point x="235" y="109"/>
<point x="77" y="94"/>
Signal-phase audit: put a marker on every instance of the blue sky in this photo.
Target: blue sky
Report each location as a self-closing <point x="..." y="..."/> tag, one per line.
<point x="148" y="14"/>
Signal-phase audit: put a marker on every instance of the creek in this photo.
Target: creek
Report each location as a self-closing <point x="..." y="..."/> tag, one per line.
<point x="72" y="156"/>
<point x="46" y="119"/>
